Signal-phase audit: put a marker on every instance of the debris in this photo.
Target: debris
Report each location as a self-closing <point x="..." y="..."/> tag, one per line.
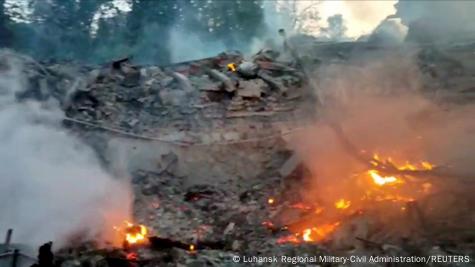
<point x="183" y="81"/>
<point x="266" y="54"/>
<point x="242" y="114"/>
<point x="248" y="69"/>
<point x="272" y="83"/>
<point x="290" y="166"/>
<point x="160" y="243"/>
<point x="117" y="64"/>
<point x="203" y="83"/>
<point x="131" y="76"/>
<point x="252" y="89"/>
<point x="219" y="206"/>
<point x="229" y="228"/>
<point x="227" y="82"/>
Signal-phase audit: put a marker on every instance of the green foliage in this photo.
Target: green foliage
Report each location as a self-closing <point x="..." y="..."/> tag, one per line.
<point x="96" y="30"/>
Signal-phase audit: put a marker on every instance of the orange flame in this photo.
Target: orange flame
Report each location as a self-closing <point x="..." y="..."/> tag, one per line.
<point x="320" y="233"/>
<point x="374" y="193"/>
<point x="314" y="234"/>
<point x="342" y="204"/>
<point x="426" y="165"/>
<point x="135" y="233"/>
<point x="301" y="206"/>
<point x="307" y="235"/>
<point x="382" y="180"/>
<point x="231" y="67"/>
<point x="288" y="239"/>
<point x="423" y="165"/>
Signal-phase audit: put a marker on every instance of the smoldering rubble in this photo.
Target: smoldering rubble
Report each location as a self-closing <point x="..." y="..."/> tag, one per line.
<point x="234" y="155"/>
<point x="47" y="173"/>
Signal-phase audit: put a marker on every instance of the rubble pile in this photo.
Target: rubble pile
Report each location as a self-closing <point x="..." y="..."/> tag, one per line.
<point x="204" y="144"/>
<point x="141" y="99"/>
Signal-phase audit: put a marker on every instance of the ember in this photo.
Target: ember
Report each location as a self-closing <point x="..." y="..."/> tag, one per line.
<point x="270" y="201"/>
<point x="301" y="206"/>
<point x="132" y="256"/>
<point x="320" y="233"/>
<point x="383" y="180"/>
<point x="342" y="204"/>
<point x="313" y="234"/>
<point x="288" y="239"/>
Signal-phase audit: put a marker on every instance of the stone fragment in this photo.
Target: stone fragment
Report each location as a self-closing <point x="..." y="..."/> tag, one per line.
<point x="183" y="81"/>
<point x="290" y="166"/>
<point x="248" y="69"/>
<point x="227" y="82"/>
<point x="252" y="88"/>
<point x="203" y="83"/>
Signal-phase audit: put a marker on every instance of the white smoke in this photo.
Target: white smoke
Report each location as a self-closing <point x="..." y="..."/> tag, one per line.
<point x="318" y="18"/>
<point x="438" y="21"/>
<point x="186" y="45"/>
<point x="51" y="184"/>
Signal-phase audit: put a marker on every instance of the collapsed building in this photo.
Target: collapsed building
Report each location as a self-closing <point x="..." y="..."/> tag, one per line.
<point x="208" y="146"/>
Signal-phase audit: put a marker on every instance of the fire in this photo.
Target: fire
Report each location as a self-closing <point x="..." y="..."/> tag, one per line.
<point x="288" y="239"/>
<point x="301" y="206"/>
<point x="231" y="67"/>
<point x="426" y="165"/>
<point x="135" y="233"/>
<point x="379" y="189"/>
<point x="383" y="180"/>
<point x="423" y="165"/>
<point x="320" y="233"/>
<point x="342" y="204"/>
<point x="270" y="201"/>
<point x="191" y="248"/>
<point x="407" y="166"/>
<point x="313" y="234"/>
<point x="307" y="235"/>
<point x="394" y="198"/>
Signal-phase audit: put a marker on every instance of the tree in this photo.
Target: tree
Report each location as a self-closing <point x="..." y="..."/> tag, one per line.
<point x="147" y="29"/>
<point x="5" y="33"/>
<point x="62" y="28"/>
<point x="98" y="30"/>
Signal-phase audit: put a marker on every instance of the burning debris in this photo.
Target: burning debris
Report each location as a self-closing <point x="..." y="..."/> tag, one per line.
<point x="188" y="134"/>
<point x="133" y="234"/>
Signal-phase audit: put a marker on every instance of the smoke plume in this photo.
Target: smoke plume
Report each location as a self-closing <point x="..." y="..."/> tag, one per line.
<point x="378" y="102"/>
<point x="52" y="185"/>
<point x="438" y="21"/>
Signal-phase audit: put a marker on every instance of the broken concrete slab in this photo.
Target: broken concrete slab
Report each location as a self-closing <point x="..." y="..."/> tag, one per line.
<point x="228" y="84"/>
<point x="248" y="69"/>
<point x="204" y="83"/>
<point x="252" y="88"/>
<point x="273" y="84"/>
<point x="290" y="166"/>
<point x="183" y="81"/>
